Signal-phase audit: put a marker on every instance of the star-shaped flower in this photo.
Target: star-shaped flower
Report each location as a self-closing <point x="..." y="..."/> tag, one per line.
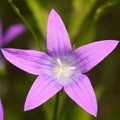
<point x="61" y="67"/>
<point x="1" y="111"/>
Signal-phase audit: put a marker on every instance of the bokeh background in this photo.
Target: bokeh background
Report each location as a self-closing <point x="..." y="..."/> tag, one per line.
<point x="86" y="21"/>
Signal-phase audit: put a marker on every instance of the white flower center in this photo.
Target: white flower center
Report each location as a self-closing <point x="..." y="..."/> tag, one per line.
<point x="63" y="71"/>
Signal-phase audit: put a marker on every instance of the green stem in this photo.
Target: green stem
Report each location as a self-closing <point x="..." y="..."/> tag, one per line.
<point x="26" y="23"/>
<point x="56" y="107"/>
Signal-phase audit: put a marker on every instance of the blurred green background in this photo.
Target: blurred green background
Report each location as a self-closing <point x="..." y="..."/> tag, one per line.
<point x="86" y="21"/>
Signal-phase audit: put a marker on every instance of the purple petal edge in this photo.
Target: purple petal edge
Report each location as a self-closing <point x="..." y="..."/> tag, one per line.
<point x="58" y="41"/>
<point x="30" y="61"/>
<point x="88" y="56"/>
<point x="42" y="89"/>
<point x="1" y="34"/>
<point x="82" y="93"/>
<point x="1" y="111"/>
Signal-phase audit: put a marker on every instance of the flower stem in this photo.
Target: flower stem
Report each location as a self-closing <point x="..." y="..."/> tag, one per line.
<point x="14" y="7"/>
<point x="56" y="106"/>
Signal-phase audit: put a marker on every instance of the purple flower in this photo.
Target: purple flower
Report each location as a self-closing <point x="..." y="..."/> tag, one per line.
<point x="61" y="67"/>
<point x="1" y="111"/>
<point x="11" y="33"/>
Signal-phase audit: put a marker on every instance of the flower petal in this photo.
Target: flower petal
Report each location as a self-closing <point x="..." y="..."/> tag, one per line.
<point x="30" y="61"/>
<point x="42" y="89"/>
<point x="91" y="54"/>
<point x="1" y="34"/>
<point x="1" y="111"/>
<point x="57" y="37"/>
<point x="82" y="93"/>
<point x="12" y="32"/>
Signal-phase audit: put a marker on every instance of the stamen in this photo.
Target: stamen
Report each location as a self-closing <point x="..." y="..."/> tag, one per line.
<point x="59" y="62"/>
<point x="72" y="68"/>
<point x="64" y="70"/>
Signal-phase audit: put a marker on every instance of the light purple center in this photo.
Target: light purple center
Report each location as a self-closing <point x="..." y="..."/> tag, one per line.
<point x="63" y="69"/>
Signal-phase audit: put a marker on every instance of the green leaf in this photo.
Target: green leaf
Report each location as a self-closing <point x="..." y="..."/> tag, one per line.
<point x="81" y="9"/>
<point x="101" y="10"/>
<point x="40" y="15"/>
<point x="88" y="31"/>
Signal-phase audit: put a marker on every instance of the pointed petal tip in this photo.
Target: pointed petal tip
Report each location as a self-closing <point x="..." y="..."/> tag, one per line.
<point x="94" y="113"/>
<point x="58" y="41"/>
<point x="54" y="14"/>
<point x="112" y="44"/>
<point x="114" y="41"/>
<point x="42" y="89"/>
<point x="95" y="109"/>
<point x="93" y="53"/>
<point x="52" y="11"/>
<point x="3" y="50"/>
<point x="29" y="105"/>
<point x="82" y="93"/>
<point x="27" y="108"/>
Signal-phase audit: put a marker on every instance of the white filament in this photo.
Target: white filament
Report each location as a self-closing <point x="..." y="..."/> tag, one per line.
<point x="63" y="71"/>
